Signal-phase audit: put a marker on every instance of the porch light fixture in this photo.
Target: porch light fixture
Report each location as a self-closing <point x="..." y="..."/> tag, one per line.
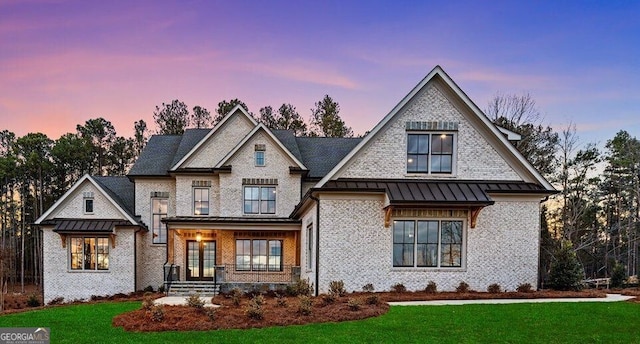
<point x="198" y="236"/>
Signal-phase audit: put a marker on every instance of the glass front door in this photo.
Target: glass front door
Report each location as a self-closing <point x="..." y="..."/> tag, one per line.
<point x="201" y="260"/>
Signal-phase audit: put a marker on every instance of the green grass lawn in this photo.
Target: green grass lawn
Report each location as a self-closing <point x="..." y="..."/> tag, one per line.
<point x="516" y="323"/>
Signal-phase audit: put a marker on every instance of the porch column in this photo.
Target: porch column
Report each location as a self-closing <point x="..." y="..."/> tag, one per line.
<point x="171" y="252"/>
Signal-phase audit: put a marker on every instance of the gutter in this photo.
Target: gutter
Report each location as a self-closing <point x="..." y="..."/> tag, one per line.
<point x="317" y="267"/>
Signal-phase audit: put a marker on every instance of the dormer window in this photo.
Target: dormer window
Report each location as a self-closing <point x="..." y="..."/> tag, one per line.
<point x="259" y="154"/>
<point x="87" y="201"/>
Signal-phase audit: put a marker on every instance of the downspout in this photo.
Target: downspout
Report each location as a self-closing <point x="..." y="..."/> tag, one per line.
<point x="135" y="259"/>
<point x="317" y="267"/>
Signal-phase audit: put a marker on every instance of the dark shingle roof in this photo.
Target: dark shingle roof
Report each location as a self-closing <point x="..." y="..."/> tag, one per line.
<point x="120" y="189"/>
<point x="190" y="139"/>
<point x="157" y="156"/>
<point x="321" y="154"/>
<point x="288" y="139"/>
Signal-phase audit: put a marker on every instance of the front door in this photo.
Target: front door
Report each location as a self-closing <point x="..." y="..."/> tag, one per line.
<point x="201" y="260"/>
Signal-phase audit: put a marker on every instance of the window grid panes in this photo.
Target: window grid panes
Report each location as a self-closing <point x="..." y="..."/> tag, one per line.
<point x="259" y="200"/>
<point x="430" y="153"/>
<point x="89" y="253"/>
<point x="201" y="201"/>
<point x="159" y="212"/>
<point x="259" y="158"/>
<point x="427" y="243"/>
<point x="258" y="255"/>
<point x="88" y="205"/>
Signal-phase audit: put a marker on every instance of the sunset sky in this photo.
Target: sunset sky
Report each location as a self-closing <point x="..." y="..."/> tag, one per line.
<point x="63" y="62"/>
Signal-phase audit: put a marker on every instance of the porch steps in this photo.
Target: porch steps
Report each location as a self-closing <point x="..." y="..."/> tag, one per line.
<point x="179" y="288"/>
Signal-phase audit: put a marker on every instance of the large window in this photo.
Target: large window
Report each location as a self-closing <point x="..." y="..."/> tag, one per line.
<point x="201" y="201"/>
<point x="258" y="255"/>
<point x="159" y="211"/>
<point x="430" y="153"/>
<point x="89" y="253"/>
<point x="427" y="243"/>
<point x="259" y="200"/>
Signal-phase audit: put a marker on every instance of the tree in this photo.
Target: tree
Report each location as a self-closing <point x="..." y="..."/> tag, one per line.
<point x="519" y="113"/>
<point x="224" y="107"/>
<point x="201" y="117"/>
<point x="100" y="133"/>
<point x="326" y="121"/>
<point x="121" y="156"/>
<point x="172" y="118"/>
<point x="566" y="271"/>
<point x="71" y="155"/>
<point x="287" y="118"/>
<point x="139" y="136"/>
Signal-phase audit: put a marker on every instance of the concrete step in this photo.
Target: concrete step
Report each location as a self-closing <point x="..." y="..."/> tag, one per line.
<point x="193" y="287"/>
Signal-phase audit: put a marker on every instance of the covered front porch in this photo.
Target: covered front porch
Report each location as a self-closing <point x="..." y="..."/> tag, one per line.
<point x="207" y="255"/>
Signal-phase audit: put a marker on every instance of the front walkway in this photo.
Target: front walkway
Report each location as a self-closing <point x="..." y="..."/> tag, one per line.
<point x="609" y="298"/>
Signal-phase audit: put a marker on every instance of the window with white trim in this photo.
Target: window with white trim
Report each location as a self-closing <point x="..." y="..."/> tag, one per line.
<point x="258" y="255"/>
<point x="260" y="154"/>
<point x="428" y="243"/>
<point x="200" y="201"/>
<point x="88" y="205"/>
<point x="89" y="253"/>
<point x="310" y="246"/>
<point x="159" y="212"/>
<point x="430" y="153"/>
<point x="259" y="200"/>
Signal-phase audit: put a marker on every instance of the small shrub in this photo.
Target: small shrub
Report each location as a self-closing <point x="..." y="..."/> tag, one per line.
<point x="156" y="313"/>
<point x="566" y="271"/>
<point x="300" y="287"/>
<point x="305" y="305"/>
<point x="431" y="288"/>
<point x="56" y="301"/>
<point x="524" y="288"/>
<point x="195" y="301"/>
<point x="372" y="299"/>
<point x="368" y="288"/>
<point x="328" y="299"/>
<point x="463" y="287"/>
<point x="236" y="295"/>
<point x="147" y="301"/>
<point x="494" y="288"/>
<point x="336" y="288"/>
<point x="161" y="288"/>
<point x="148" y="289"/>
<point x="617" y="275"/>
<point x="254" y="308"/>
<point x="354" y="304"/>
<point x="398" y="288"/>
<point x="33" y="301"/>
<point x="280" y="300"/>
<point x="211" y="313"/>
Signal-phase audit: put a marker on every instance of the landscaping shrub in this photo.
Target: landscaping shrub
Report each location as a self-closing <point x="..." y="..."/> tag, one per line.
<point x="372" y="299"/>
<point x="161" y="288"/>
<point x="300" y="287"/>
<point x="336" y="288"/>
<point x="281" y="301"/>
<point x="156" y="313"/>
<point x="236" y="294"/>
<point x="305" y="305"/>
<point x="147" y="301"/>
<point x="566" y="272"/>
<point x="398" y="288"/>
<point x="524" y="288"/>
<point x="56" y="301"/>
<point x="354" y="303"/>
<point x="617" y="275"/>
<point x="254" y="308"/>
<point x="211" y="313"/>
<point x="368" y="288"/>
<point x="33" y="301"/>
<point x="195" y="301"/>
<point x="494" y="288"/>
<point x="463" y="287"/>
<point x="328" y="299"/>
<point x="148" y="289"/>
<point x="431" y="288"/>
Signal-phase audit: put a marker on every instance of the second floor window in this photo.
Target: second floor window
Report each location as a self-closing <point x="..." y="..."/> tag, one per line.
<point x="201" y="201"/>
<point x="159" y="212"/>
<point x="259" y="200"/>
<point x="88" y="205"/>
<point x="430" y="153"/>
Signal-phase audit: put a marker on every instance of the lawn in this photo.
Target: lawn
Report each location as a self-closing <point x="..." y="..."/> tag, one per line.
<point x="590" y="322"/>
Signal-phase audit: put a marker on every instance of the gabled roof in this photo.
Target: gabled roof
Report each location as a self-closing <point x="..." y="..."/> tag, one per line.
<point x="321" y="154"/>
<point x="157" y="156"/>
<point x="236" y="109"/>
<point x="122" y="202"/>
<point x="439" y="73"/>
<point x="252" y="133"/>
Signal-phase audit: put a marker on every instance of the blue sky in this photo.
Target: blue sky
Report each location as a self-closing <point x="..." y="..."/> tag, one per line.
<point x="63" y="62"/>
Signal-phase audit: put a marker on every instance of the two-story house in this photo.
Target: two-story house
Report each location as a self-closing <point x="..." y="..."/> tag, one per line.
<point x="434" y="192"/>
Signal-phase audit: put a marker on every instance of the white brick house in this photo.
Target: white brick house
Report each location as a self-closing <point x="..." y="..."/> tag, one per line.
<point x="433" y="192"/>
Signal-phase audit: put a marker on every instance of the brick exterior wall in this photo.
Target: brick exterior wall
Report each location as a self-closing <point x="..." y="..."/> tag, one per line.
<point x="184" y="194"/>
<point x="503" y="248"/>
<point x="386" y="155"/>
<point x="243" y="166"/>
<point x="221" y="142"/>
<point x="73" y="206"/>
<point x="60" y="281"/>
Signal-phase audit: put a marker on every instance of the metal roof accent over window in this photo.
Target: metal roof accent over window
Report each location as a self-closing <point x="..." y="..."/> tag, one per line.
<point x="86" y="226"/>
<point x="261" y="147"/>
<point x="159" y="194"/>
<point x="201" y="183"/>
<point x="259" y="181"/>
<point x="432" y="125"/>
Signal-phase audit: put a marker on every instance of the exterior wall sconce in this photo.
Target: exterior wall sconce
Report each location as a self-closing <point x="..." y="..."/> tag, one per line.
<point x="198" y="236"/>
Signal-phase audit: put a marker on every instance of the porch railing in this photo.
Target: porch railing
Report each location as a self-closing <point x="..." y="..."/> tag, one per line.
<point x="232" y="273"/>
